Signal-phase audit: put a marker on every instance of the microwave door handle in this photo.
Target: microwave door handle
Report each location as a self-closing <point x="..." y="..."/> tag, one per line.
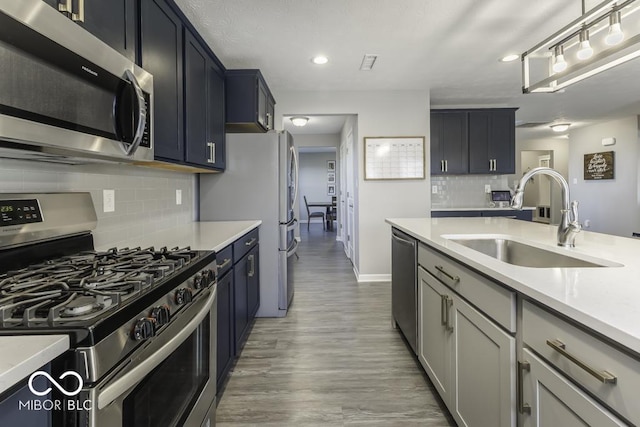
<point x="115" y="389"/>
<point x="142" y="114"/>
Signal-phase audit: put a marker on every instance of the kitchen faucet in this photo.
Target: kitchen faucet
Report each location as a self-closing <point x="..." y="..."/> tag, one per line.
<point x="569" y="226"/>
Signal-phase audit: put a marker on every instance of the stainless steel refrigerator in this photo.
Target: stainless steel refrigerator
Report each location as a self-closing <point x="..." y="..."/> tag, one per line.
<point x="260" y="182"/>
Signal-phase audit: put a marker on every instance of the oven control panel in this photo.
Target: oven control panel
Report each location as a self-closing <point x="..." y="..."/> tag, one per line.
<point x="17" y="212"/>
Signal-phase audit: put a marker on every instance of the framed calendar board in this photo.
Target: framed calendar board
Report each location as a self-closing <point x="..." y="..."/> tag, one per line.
<point x="394" y="157"/>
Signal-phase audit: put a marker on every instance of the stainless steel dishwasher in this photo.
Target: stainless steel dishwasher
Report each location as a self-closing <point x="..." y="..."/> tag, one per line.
<point x="404" y="286"/>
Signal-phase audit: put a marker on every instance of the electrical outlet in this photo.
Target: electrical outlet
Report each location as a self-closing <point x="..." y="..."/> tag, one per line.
<point x="178" y="197"/>
<point x="434" y="189"/>
<point x="587" y="223"/>
<point x="487" y="188"/>
<point x="575" y="180"/>
<point x="109" y="200"/>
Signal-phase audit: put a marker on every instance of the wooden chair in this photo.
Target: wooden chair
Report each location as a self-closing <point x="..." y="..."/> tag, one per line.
<point x="313" y="215"/>
<point x="333" y="213"/>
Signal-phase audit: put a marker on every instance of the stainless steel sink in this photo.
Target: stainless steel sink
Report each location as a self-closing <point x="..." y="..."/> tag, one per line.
<point x="517" y="253"/>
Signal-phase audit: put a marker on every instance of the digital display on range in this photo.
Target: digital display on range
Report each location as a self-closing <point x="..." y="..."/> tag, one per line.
<point x="16" y="212"/>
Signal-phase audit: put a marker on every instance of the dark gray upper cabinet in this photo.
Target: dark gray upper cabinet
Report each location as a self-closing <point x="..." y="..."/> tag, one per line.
<point x="492" y="141"/>
<point x="478" y="141"/>
<point x="113" y="22"/>
<point x="449" y="142"/>
<point x="204" y="102"/>
<point x="249" y="103"/>
<point x="161" y="55"/>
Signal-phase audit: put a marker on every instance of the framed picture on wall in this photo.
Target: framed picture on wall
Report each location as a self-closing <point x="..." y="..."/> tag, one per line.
<point x="331" y="190"/>
<point x="331" y="165"/>
<point x="331" y="177"/>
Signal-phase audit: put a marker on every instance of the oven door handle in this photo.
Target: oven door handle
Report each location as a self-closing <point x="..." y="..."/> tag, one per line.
<point x="118" y="387"/>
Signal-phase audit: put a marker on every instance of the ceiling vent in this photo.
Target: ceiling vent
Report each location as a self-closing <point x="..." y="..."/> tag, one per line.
<point x="368" y="61"/>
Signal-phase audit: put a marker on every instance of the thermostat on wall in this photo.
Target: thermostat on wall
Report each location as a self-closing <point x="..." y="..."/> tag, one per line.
<point x="608" y="141"/>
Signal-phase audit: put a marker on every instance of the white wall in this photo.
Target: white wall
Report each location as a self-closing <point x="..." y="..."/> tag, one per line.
<point x="380" y="113"/>
<point x="313" y="181"/>
<point x="611" y="206"/>
<point x="144" y="197"/>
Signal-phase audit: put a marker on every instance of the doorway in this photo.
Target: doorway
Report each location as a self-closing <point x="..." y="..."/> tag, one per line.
<point x="539" y="191"/>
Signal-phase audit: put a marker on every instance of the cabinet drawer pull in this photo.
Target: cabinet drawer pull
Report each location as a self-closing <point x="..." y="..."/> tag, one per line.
<point x="250" y="242"/>
<point x="523" y="408"/>
<point x="602" y="376"/>
<point x="440" y="268"/>
<point x="226" y="262"/>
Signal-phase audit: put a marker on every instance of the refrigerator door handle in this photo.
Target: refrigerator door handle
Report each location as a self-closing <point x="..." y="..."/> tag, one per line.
<point x="295" y="180"/>
<point x="291" y="250"/>
<point x="292" y="224"/>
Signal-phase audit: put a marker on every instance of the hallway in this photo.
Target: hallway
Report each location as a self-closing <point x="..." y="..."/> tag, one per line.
<point x="334" y="360"/>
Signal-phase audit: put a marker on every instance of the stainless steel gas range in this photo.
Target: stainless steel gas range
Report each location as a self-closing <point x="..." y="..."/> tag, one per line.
<point x="142" y="321"/>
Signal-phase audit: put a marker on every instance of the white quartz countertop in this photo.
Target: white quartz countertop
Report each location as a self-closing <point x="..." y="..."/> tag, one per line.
<point x="22" y="355"/>
<point x="204" y="235"/>
<point x="485" y="208"/>
<point x="605" y="299"/>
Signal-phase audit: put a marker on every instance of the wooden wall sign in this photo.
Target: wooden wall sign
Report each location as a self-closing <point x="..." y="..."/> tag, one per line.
<point x="598" y="165"/>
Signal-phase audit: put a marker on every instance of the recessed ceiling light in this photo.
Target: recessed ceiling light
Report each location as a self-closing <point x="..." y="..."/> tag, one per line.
<point x="320" y="60"/>
<point x="299" y="120"/>
<point x="509" y="58"/>
<point x="560" y="127"/>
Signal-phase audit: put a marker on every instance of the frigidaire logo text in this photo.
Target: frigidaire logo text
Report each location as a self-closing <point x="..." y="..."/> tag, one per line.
<point x="55" y="404"/>
<point x="89" y="70"/>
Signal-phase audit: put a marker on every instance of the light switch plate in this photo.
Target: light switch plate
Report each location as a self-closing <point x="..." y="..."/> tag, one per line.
<point x="487" y="188"/>
<point x="109" y="200"/>
<point x="178" y="197"/>
<point x="434" y="189"/>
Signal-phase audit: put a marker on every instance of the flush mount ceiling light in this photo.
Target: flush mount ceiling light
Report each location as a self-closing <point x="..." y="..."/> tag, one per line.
<point x="591" y="44"/>
<point x="560" y="127"/>
<point x="299" y="120"/>
<point x="320" y="60"/>
<point x="509" y="58"/>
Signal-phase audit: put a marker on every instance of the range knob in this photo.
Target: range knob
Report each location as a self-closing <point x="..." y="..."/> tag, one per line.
<point x="183" y="296"/>
<point x="161" y="315"/>
<point x="143" y="329"/>
<point x="208" y="277"/>
<point x="198" y="281"/>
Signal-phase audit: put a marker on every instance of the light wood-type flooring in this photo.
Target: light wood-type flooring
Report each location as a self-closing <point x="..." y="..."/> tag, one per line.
<point x="334" y="360"/>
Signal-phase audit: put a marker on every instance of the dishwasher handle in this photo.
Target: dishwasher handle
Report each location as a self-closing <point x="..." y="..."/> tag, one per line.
<point x="403" y="241"/>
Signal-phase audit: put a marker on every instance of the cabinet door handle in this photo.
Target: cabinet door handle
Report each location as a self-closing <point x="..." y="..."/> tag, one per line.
<point x="268" y="121"/>
<point x="443" y="309"/>
<point x="79" y="17"/>
<point x="602" y="376"/>
<point x="441" y="269"/>
<point x="250" y="242"/>
<point x="226" y="262"/>
<point x="449" y="305"/>
<point x="65" y="6"/>
<point x="212" y="152"/>
<point x="441" y="165"/>
<point x="252" y="263"/>
<point x="446" y="166"/>
<point x="523" y="407"/>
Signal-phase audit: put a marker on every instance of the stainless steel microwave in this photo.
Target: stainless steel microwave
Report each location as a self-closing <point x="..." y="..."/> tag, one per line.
<point x="66" y="95"/>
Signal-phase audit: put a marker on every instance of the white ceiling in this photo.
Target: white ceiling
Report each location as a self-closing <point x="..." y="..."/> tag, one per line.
<point x="451" y="47"/>
<point x="317" y="124"/>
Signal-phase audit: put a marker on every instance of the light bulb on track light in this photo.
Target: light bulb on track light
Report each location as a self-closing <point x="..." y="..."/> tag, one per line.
<point x="559" y="64"/>
<point x="585" y="51"/>
<point x="615" y="35"/>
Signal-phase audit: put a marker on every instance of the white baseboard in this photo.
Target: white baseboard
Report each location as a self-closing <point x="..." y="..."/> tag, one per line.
<point x="374" y="278"/>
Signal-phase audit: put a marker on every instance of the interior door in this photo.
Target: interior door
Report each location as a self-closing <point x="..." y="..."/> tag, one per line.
<point x="342" y="212"/>
<point x="350" y="197"/>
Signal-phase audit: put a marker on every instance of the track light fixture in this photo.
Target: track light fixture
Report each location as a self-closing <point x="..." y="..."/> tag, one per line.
<point x="591" y="44"/>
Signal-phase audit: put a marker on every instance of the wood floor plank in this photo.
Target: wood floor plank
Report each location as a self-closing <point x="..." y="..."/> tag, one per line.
<point x="334" y="360"/>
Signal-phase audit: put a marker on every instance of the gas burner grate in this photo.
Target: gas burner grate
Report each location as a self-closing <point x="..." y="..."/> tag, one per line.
<point x="85" y="285"/>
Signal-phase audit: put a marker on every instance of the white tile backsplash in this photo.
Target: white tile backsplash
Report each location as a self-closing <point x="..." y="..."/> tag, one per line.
<point x="465" y="191"/>
<point x="144" y="197"/>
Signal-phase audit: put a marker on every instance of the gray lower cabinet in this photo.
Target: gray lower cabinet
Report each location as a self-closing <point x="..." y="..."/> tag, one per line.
<point x="552" y="400"/>
<point x="468" y="357"/>
<point x="525" y="215"/>
<point x="238" y="300"/>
